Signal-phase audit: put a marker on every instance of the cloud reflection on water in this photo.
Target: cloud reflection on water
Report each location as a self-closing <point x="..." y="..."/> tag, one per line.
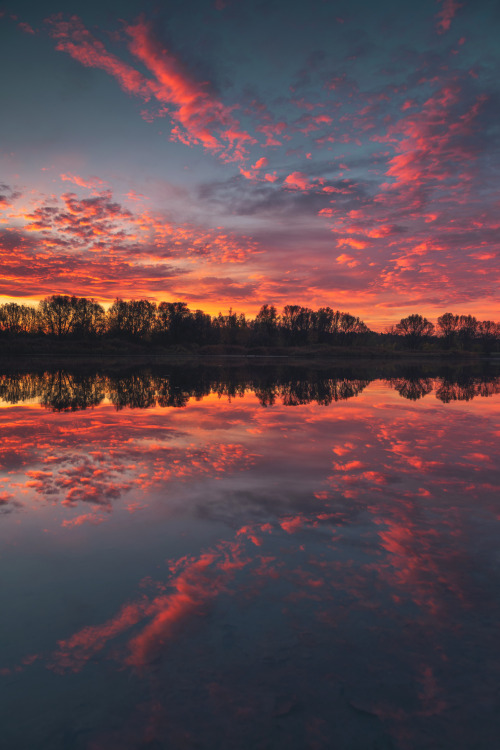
<point x="351" y="590"/>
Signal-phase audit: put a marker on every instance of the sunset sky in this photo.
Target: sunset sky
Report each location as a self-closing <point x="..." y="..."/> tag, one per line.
<point x="231" y="153"/>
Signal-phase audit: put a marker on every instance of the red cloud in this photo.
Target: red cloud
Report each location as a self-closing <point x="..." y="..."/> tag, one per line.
<point x="298" y="181"/>
<point x="446" y="14"/>
<point x="252" y="173"/>
<point x="26" y="28"/>
<point x="272" y="132"/>
<point x="432" y="145"/>
<point x="201" y="118"/>
<point x="73" y="653"/>
<point x="72" y="37"/>
<point x="291" y="525"/>
<point x="309" y="123"/>
<point x="204" y="118"/>
<point x="261" y="163"/>
<point x="119" y="252"/>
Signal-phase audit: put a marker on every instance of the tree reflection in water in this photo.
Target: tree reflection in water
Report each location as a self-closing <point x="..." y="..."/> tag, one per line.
<point x="69" y="390"/>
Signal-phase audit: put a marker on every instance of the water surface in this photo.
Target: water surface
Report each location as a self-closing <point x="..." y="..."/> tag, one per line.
<point x="273" y="557"/>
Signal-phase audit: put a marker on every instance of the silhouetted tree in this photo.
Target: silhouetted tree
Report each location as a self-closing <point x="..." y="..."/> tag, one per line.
<point x="58" y="314"/>
<point x="18" y="319"/>
<point x="90" y="318"/>
<point x="175" y="323"/>
<point x="467" y="330"/>
<point x="350" y="326"/>
<point x="202" y="327"/>
<point x="297" y="323"/>
<point x="488" y="333"/>
<point x="448" y="326"/>
<point x="266" y="324"/>
<point x="324" y="324"/>
<point x="415" y="329"/>
<point x="133" y="319"/>
<point x="231" y="328"/>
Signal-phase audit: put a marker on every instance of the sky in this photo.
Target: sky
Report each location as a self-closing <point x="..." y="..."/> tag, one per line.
<point x="231" y="154"/>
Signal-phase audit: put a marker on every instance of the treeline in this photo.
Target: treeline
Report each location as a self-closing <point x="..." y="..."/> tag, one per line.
<point x="462" y="331"/>
<point x="173" y="324"/>
<point x="68" y="391"/>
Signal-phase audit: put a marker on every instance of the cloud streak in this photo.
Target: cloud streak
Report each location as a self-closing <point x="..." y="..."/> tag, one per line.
<point x="199" y="117"/>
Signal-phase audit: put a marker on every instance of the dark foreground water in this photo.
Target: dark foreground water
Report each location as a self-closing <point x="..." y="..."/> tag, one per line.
<point x="223" y="558"/>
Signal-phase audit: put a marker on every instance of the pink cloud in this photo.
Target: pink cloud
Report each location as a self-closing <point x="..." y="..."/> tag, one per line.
<point x="203" y="117"/>
<point x="446" y="15"/>
<point x="198" y="116"/>
<point x="26" y="28"/>
<point x="430" y="144"/>
<point x="91" y="183"/>
<point x="72" y="37"/>
<point x="261" y="163"/>
<point x="291" y="525"/>
<point x="252" y="172"/>
<point x="298" y="181"/>
<point x="272" y="132"/>
<point x="106" y="235"/>
<point x="310" y="123"/>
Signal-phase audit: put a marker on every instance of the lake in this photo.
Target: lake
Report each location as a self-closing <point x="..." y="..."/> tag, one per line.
<point x="283" y="555"/>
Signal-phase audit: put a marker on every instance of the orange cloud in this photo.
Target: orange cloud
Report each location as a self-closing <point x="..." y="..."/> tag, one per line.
<point x="347" y="260"/>
<point x="92" y="183"/>
<point x="97" y="247"/>
<point x="351" y="242"/>
<point x="90" y="518"/>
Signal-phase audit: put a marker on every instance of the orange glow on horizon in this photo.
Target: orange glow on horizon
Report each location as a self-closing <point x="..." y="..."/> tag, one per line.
<point x="377" y="319"/>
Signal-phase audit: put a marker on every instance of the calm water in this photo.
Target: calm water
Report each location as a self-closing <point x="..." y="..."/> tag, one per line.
<point x="271" y="558"/>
